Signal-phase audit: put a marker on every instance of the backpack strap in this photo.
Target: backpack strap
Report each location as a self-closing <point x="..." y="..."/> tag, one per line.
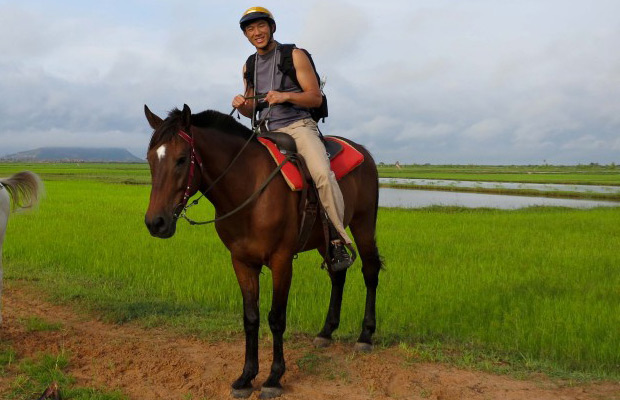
<point x="287" y="68"/>
<point x="250" y="64"/>
<point x="286" y="65"/>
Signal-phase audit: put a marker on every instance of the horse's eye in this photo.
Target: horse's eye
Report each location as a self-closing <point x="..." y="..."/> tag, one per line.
<point x="181" y="161"/>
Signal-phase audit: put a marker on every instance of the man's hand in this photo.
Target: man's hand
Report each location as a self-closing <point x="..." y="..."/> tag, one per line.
<point x="274" y="97"/>
<point x="239" y="101"/>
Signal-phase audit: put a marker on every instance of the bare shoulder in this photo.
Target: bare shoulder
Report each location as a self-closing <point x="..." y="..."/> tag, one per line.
<point x="299" y="56"/>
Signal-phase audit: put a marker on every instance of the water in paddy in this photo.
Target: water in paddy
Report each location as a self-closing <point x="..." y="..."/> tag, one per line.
<point x="390" y="197"/>
<point x="547" y="187"/>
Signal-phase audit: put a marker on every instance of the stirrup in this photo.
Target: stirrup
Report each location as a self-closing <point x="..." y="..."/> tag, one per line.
<point x="340" y="260"/>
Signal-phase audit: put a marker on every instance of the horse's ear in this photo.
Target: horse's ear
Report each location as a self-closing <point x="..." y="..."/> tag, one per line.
<point x="186" y="116"/>
<point x="153" y="119"/>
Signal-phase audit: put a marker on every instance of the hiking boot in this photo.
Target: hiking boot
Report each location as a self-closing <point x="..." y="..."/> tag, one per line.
<point x="340" y="260"/>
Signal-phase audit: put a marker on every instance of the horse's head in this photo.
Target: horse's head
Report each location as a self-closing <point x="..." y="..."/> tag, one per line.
<point x="169" y="159"/>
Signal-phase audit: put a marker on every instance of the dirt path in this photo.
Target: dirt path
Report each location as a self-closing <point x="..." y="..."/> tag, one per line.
<point x="155" y="364"/>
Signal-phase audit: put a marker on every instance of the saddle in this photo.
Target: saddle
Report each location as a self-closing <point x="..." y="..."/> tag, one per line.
<point x="343" y="159"/>
<point x="286" y="144"/>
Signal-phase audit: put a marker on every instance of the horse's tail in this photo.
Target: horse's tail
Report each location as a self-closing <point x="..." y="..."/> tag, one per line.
<point x="376" y="258"/>
<point x="379" y="259"/>
<point x="25" y="188"/>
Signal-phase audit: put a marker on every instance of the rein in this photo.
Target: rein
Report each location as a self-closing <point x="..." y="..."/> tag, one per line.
<point x="242" y="205"/>
<point x="180" y="210"/>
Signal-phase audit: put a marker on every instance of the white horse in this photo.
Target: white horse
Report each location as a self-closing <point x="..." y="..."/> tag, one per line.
<point x="23" y="189"/>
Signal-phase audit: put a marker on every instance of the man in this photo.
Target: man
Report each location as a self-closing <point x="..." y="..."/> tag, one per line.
<point x="288" y="112"/>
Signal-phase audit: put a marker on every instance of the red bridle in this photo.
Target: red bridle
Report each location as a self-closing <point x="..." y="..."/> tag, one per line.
<point x="194" y="158"/>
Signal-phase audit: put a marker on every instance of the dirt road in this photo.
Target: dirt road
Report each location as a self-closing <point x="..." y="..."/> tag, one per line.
<point x="156" y="364"/>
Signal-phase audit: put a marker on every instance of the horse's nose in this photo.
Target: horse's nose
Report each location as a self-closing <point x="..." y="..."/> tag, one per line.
<point x="156" y="225"/>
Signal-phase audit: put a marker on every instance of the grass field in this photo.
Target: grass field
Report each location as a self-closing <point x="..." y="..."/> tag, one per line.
<point x="37" y="373"/>
<point x="573" y="174"/>
<point x="537" y="287"/>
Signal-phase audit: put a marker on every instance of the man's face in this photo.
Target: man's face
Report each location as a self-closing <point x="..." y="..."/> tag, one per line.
<point x="258" y="33"/>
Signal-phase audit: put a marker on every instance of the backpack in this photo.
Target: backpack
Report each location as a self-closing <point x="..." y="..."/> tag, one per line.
<point x="288" y="69"/>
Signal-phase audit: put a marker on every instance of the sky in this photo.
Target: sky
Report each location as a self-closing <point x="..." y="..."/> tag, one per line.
<point x="415" y="81"/>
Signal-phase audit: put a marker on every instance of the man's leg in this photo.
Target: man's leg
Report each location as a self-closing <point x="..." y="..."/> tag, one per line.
<point x="309" y="145"/>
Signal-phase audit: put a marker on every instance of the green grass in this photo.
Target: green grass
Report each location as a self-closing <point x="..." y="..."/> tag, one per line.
<point x="137" y="173"/>
<point x="27" y="378"/>
<point x="537" y="287"/>
<point x="567" y="174"/>
<point x="38" y="324"/>
<point x="319" y="362"/>
<point x="7" y="356"/>
<point x="33" y="376"/>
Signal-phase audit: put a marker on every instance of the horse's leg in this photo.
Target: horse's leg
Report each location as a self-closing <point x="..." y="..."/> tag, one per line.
<point x="247" y="276"/>
<point x="324" y="338"/>
<point x="282" y="271"/>
<point x="363" y="229"/>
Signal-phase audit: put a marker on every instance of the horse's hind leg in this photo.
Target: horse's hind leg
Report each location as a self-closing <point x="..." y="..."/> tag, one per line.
<point x="332" y="320"/>
<point x="364" y="234"/>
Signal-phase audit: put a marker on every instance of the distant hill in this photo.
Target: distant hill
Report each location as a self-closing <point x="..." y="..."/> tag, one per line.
<point x="74" y="154"/>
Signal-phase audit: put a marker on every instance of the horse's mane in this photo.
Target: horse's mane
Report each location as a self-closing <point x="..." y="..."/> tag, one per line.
<point x="205" y="119"/>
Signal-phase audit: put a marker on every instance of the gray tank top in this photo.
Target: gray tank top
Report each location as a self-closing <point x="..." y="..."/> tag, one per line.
<point x="269" y="77"/>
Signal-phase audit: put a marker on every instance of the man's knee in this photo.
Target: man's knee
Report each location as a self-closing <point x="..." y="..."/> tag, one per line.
<point x="321" y="177"/>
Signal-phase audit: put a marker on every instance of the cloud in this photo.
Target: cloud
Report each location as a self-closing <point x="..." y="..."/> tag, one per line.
<point x="334" y="29"/>
<point x="425" y="131"/>
<point x="586" y="142"/>
<point x="486" y="129"/>
<point x="70" y="80"/>
<point x="432" y="81"/>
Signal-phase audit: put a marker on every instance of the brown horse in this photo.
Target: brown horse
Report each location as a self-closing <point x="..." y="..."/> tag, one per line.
<point x="265" y="232"/>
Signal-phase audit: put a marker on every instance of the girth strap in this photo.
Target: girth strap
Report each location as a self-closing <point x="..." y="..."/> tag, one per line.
<point x="308" y="204"/>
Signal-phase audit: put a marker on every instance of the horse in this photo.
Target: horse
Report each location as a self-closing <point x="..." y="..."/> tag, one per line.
<point x="265" y="231"/>
<point x="22" y="190"/>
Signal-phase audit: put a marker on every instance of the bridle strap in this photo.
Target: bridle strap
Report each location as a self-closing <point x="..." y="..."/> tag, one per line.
<point x="181" y="208"/>
<point x="194" y="158"/>
<point x="245" y="203"/>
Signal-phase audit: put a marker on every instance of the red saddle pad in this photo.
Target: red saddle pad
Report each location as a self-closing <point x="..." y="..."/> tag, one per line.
<point x="346" y="161"/>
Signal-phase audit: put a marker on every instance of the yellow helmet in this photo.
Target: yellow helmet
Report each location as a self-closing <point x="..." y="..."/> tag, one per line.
<point x="254" y="13"/>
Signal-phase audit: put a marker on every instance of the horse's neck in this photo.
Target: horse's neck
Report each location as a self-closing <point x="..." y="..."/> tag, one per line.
<point x="218" y="150"/>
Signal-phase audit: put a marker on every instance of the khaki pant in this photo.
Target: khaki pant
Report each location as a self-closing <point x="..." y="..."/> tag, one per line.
<point x="309" y="145"/>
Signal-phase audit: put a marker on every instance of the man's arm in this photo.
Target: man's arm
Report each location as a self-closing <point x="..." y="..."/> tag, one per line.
<point x="311" y="93"/>
<point x="244" y="106"/>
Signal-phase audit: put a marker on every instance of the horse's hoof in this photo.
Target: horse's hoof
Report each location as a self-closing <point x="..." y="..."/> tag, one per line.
<point x="241" y="393"/>
<point x="363" y="347"/>
<point x="321" y="342"/>
<point x="270" y="392"/>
